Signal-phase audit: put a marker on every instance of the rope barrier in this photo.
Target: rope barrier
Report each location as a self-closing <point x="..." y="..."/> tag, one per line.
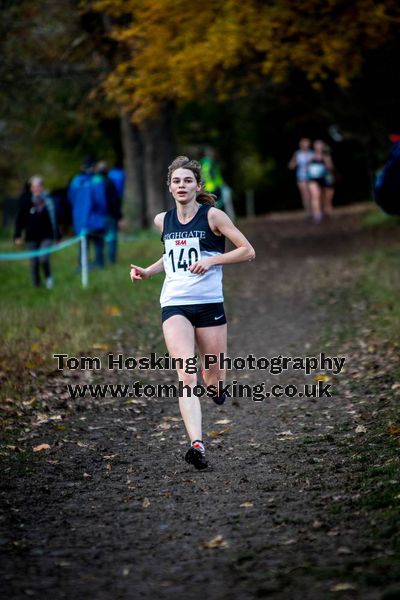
<point x="83" y="240"/>
<point x="40" y="251"/>
<point x="61" y="245"/>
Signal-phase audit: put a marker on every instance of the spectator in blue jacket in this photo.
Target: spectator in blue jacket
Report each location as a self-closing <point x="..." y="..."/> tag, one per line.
<point x="113" y="182"/>
<point x="89" y="209"/>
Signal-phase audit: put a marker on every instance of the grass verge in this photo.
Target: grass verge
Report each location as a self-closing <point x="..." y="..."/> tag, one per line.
<point x="364" y="324"/>
<point x="36" y="323"/>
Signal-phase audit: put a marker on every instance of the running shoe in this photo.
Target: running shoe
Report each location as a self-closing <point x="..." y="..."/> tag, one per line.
<point x="219" y="399"/>
<point x="196" y="455"/>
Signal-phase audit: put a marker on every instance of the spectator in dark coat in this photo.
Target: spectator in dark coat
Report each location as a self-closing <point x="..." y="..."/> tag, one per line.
<point x="63" y="209"/>
<point x="37" y="217"/>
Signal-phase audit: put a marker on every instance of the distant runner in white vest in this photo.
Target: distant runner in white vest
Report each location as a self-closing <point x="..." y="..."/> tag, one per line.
<point x="299" y="162"/>
<point x="193" y="313"/>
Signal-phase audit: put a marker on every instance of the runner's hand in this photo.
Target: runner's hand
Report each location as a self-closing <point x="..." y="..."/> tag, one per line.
<point x="200" y="267"/>
<point x="138" y="273"/>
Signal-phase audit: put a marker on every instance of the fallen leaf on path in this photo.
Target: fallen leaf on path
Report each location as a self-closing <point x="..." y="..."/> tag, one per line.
<point x="343" y="587"/>
<point x="246" y="505"/>
<point x="394" y="430"/>
<point x="99" y="346"/>
<point x="15" y="448"/>
<point x="41" y="447"/>
<point x="146" y="503"/>
<point x="321" y="377"/>
<point x="32" y="364"/>
<point x="317" y="524"/>
<point x="218" y="433"/>
<point x="222" y="422"/>
<point x="285" y="436"/>
<point x="344" y="550"/>
<point x="44" y="418"/>
<point x="360" y="429"/>
<point x="216" y="542"/>
<point x="28" y="402"/>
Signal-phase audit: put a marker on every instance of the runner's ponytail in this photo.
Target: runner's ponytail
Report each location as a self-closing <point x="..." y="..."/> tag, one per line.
<point x="206" y="198"/>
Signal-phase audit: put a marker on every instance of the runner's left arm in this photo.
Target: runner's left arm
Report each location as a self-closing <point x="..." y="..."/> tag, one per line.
<point x="221" y="224"/>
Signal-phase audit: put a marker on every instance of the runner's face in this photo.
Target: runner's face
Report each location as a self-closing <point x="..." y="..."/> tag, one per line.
<point x="319" y="147"/>
<point x="305" y="144"/>
<point x="183" y="186"/>
<point x="36" y="188"/>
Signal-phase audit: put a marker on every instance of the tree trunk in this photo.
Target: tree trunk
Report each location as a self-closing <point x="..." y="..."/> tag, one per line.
<point x="134" y="208"/>
<point x="159" y="147"/>
<point x="148" y="150"/>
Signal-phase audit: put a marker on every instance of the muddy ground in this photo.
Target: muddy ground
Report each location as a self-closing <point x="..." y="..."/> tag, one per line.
<point x="112" y="512"/>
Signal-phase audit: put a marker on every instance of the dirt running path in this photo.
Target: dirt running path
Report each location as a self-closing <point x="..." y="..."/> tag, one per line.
<point x="112" y="512"/>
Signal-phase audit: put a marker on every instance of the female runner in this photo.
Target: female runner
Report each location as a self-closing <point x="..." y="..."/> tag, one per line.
<point x="299" y="161"/>
<point x="318" y="170"/>
<point x="194" y="235"/>
<point x="329" y="186"/>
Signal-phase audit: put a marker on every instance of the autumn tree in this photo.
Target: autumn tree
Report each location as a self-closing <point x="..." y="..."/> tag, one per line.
<point x="175" y="51"/>
<point x="140" y="60"/>
<point x="51" y="63"/>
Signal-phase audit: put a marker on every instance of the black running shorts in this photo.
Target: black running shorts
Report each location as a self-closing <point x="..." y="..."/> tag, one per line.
<point x="200" y="315"/>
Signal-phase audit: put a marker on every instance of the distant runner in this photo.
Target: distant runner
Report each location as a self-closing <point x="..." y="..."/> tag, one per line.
<point x="299" y="161"/>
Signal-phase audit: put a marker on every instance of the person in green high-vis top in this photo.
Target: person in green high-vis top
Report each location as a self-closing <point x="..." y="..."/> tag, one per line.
<point x="212" y="176"/>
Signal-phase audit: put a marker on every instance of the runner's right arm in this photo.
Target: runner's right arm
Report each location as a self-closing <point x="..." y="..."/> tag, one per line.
<point x="138" y="273"/>
<point x="293" y="162"/>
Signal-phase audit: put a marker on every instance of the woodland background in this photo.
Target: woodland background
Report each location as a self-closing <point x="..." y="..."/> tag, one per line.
<point x="138" y="81"/>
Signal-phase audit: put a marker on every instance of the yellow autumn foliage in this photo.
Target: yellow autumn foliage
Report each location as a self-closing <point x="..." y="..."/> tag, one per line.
<point x="180" y="50"/>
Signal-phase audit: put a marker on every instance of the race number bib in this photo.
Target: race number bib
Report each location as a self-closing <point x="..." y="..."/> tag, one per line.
<point x="180" y="255"/>
<point x="316" y="170"/>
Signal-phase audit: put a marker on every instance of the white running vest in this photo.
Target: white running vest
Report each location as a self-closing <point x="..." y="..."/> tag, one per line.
<point x="183" y="246"/>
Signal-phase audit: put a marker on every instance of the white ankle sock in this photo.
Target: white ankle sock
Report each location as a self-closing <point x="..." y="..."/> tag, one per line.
<point x="198" y="445"/>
